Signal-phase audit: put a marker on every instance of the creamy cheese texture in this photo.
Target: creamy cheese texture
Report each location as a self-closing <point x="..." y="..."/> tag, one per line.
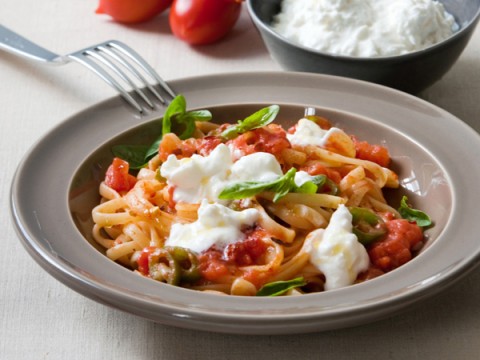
<point x="364" y="28"/>
<point x="216" y="225"/>
<point x="198" y="177"/>
<point x="204" y="177"/>
<point x="301" y="177"/>
<point x="258" y="166"/>
<point x="336" y="252"/>
<point x="307" y="132"/>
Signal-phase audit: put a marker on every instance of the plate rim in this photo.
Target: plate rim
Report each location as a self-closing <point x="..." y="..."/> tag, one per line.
<point x="381" y="310"/>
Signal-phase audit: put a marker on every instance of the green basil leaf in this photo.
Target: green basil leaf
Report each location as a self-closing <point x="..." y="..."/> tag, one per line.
<point x="176" y="113"/>
<point x="188" y="119"/>
<point x="177" y="106"/>
<point x="259" y="119"/>
<point x="133" y="154"/>
<point x="281" y="187"/>
<point x="188" y="131"/>
<point x="153" y="149"/>
<point x="138" y="155"/>
<point x="286" y="185"/>
<point x="196" y="115"/>
<point x="242" y="190"/>
<point x="422" y="219"/>
<point x="277" y="288"/>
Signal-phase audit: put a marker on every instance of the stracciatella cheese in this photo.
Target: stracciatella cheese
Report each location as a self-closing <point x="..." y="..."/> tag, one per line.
<point x="217" y="225"/>
<point x="309" y="133"/>
<point x="364" y="28"/>
<point x="336" y="252"/>
<point x="204" y="177"/>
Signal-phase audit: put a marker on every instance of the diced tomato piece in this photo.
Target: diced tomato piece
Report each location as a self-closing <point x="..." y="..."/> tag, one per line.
<point x="171" y="144"/>
<point x="396" y="249"/>
<point x="376" y="153"/>
<point x="117" y="176"/>
<point x="249" y="251"/>
<point x="206" y="144"/>
<point x="212" y="266"/>
<point x="256" y="277"/>
<point x="315" y="168"/>
<point x="271" y="138"/>
<point x="142" y="261"/>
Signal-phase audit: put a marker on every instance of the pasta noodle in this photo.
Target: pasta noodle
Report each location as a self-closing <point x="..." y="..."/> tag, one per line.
<point x="165" y="222"/>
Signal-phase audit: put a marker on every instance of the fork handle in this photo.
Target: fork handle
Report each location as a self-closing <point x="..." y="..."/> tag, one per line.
<point x="18" y="45"/>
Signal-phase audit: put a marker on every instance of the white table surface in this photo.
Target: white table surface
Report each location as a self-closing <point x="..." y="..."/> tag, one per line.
<point x="42" y="319"/>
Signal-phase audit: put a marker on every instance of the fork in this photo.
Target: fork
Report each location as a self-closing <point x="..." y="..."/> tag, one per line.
<point x="111" y="60"/>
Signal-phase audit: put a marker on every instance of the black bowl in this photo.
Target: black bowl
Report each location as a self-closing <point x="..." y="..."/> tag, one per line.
<point x="411" y="72"/>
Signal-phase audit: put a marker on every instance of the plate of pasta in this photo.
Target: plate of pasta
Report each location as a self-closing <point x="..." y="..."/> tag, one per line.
<point x="266" y="203"/>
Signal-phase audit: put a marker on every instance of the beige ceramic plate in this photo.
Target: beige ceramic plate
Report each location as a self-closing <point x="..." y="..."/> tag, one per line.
<point x="55" y="188"/>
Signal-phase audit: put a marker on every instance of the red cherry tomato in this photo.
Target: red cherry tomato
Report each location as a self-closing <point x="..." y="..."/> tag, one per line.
<point x="200" y="22"/>
<point x="132" y="11"/>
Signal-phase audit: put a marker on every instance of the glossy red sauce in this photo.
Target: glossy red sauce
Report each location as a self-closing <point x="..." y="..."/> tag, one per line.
<point x="271" y="139"/>
<point x="207" y="144"/>
<point x="396" y="249"/>
<point x="315" y="168"/>
<point x="117" y="176"/>
<point x="214" y="264"/>
<point x="376" y="153"/>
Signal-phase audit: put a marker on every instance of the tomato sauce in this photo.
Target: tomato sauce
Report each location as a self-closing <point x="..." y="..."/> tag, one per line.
<point x="117" y="176"/>
<point x="212" y="266"/>
<point x="206" y="144"/>
<point x="143" y="260"/>
<point x="315" y="168"/>
<point x="396" y="249"/>
<point x="249" y="251"/>
<point x="180" y="148"/>
<point x="376" y="153"/>
<point x="215" y="264"/>
<point x="271" y="139"/>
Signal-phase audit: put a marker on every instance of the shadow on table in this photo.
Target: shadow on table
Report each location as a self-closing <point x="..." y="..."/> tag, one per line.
<point x="242" y="42"/>
<point x="457" y="92"/>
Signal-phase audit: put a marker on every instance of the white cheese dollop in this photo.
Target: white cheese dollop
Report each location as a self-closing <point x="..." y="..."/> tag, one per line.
<point x="204" y="177"/>
<point x="258" y="166"/>
<point x="198" y="177"/>
<point x="364" y="28"/>
<point x="336" y="252"/>
<point x="307" y="132"/>
<point x="301" y="177"/>
<point x="216" y="225"/>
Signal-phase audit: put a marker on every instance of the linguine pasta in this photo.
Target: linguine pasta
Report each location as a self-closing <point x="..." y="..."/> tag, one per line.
<point x="270" y="214"/>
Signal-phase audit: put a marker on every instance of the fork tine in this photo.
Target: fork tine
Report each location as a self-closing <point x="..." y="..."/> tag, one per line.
<point x="100" y="57"/>
<point x="85" y="61"/>
<point x="105" y="59"/>
<point x="132" y="54"/>
<point x="127" y="65"/>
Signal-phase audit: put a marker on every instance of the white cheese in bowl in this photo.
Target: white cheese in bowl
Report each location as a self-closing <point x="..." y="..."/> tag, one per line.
<point x="364" y="28"/>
